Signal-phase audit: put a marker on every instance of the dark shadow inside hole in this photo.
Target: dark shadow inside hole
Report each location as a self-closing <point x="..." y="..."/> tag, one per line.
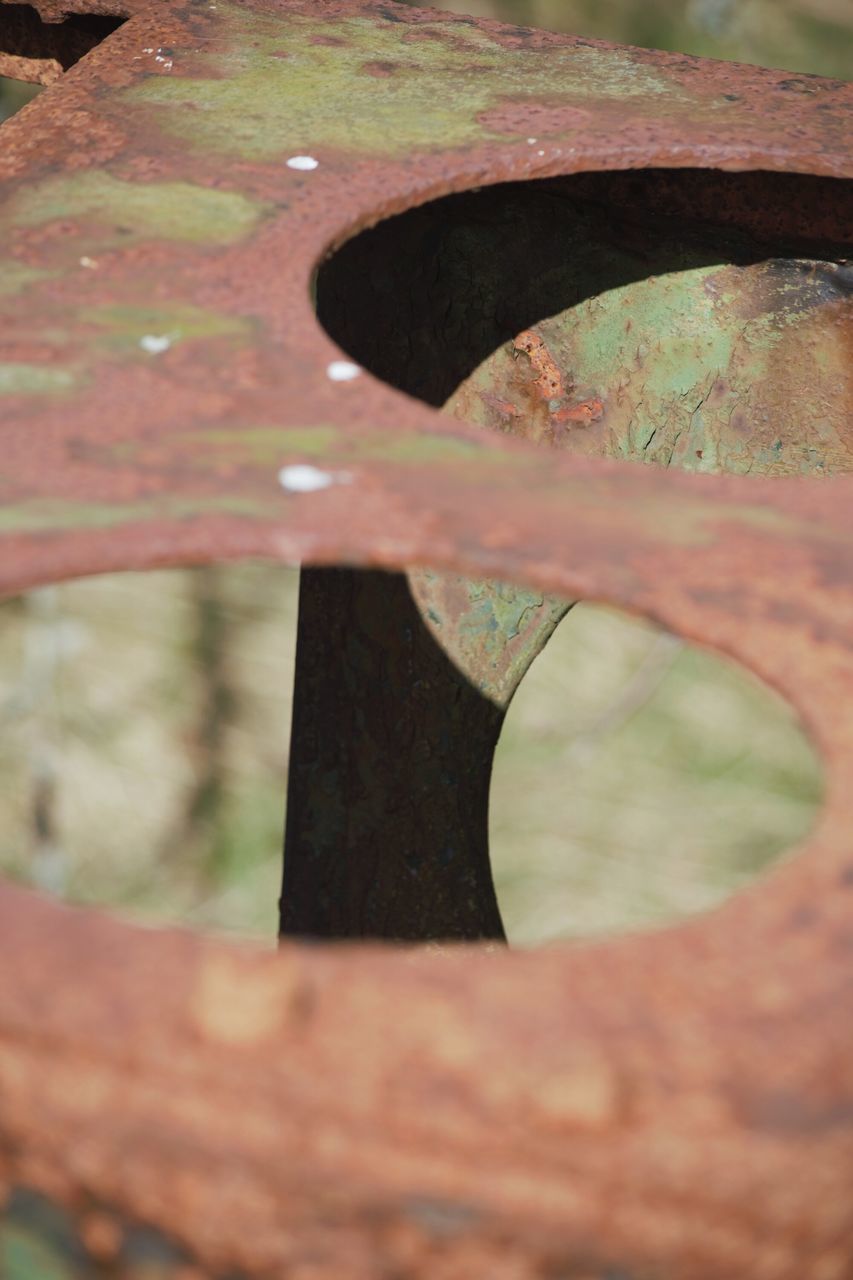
<point x="426" y="296"/>
<point x="603" y="313"/>
<point x="96" y="25"/>
<point x="34" y="50"/>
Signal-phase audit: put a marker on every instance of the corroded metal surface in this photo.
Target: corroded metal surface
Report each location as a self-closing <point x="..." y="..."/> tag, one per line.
<point x="681" y="341"/>
<point x="677" y="1105"/>
<point x="40" y="52"/>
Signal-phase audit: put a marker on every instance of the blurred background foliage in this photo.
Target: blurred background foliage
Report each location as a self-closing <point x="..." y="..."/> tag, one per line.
<point x="144" y="719"/>
<point x="797" y="35"/>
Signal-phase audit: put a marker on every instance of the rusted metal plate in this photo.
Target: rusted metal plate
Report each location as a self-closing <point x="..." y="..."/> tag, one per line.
<point x="695" y="342"/>
<point x="38" y="51"/>
<point x="677" y="1105"/>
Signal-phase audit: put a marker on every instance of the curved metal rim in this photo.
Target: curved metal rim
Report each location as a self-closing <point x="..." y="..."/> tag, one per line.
<point x="657" y="1085"/>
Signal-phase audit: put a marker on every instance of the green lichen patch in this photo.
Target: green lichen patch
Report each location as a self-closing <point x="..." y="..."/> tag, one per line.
<point x="15" y="277"/>
<point x="125" y="212"/>
<point x="124" y="328"/>
<point x="54" y="515"/>
<point x="405" y="88"/>
<point x="25" y="1257"/>
<point x="422" y="448"/>
<point x="261" y="446"/>
<point x="267" y="446"/>
<point x="19" y="379"/>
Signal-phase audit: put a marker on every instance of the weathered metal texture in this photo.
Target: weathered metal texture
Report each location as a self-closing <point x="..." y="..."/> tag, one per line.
<point x="665" y="340"/>
<point x="677" y="1105"/>
<point x="39" y="52"/>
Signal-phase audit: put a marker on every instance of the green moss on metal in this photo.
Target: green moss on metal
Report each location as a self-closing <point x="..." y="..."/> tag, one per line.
<point x="260" y="89"/>
<point x="52" y="515"/>
<point x="19" y="379"/>
<point x="122" y="327"/>
<point x="24" y="1256"/>
<point x="124" y="212"/>
<point x="261" y="446"/>
<point x="270" y="445"/>
<point x="15" y="277"/>
<point x="432" y="448"/>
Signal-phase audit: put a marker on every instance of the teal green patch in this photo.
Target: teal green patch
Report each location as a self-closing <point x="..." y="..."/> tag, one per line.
<point x="262" y="88"/>
<point x="675" y="310"/>
<point x="126" y="212"/>
<point x="694" y="376"/>
<point x="497" y="612"/>
<point x="25" y="1257"/>
<point x="35" y="380"/>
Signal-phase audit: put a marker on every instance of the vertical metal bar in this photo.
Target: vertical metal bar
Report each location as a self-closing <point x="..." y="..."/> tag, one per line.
<point x="390" y="763"/>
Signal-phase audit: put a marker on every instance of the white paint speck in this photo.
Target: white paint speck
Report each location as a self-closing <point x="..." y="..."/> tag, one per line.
<point x="303" y="478"/>
<point x="155" y="344"/>
<point x="88" y="262"/>
<point x="531" y="142"/>
<point x="302" y="162"/>
<point x="540" y="153"/>
<point x="342" y="371"/>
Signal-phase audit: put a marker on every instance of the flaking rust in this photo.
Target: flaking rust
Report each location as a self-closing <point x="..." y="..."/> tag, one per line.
<point x="669" y="1107"/>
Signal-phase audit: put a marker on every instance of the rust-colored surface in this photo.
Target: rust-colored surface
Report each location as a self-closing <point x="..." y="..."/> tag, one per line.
<point x="40" y="52"/>
<point x="677" y="1105"/>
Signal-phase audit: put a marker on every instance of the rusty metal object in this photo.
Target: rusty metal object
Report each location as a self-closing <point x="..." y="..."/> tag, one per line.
<point x="37" y="51"/>
<point x="388" y="781"/>
<point x="676" y="1105"/>
<point x="678" y="341"/>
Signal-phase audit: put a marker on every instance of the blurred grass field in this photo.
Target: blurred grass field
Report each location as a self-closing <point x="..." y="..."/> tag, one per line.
<point x="637" y="779"/>
<point x="144" y="719"/>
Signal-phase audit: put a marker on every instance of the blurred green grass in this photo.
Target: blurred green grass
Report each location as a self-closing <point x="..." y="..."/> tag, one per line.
<point x="795" y="35"/>
<point x="14" y="94"/>
<point x="144" y="718"/>
<point x="637" y="780"/>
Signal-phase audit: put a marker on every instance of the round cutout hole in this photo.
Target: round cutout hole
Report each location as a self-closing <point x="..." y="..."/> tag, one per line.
<point x="145" y="723"/>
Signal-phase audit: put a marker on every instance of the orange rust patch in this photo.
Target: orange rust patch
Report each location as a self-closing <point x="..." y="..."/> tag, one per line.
<point x="584" y="413"/>
<point x="549" y="380"/>
<point x="586" y="1096"/>
<point x="102" y="1235"/>
<point x="238" y="1002"/>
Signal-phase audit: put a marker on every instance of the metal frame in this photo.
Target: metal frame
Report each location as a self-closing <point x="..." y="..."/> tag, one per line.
<point x="672" y="1105"/>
